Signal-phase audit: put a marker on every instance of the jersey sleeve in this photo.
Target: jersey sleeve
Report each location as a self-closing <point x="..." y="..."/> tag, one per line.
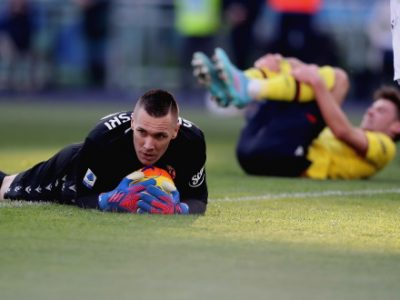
<point x="92" y="165"/>
<point x="381" y="149"/>
<point x="193" y="184"/>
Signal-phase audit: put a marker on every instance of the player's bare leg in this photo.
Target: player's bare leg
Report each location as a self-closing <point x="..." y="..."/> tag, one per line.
<point x="5" y="185"/>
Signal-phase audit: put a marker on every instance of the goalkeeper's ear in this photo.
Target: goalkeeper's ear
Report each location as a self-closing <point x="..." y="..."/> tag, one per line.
<point x="176" y="130"/>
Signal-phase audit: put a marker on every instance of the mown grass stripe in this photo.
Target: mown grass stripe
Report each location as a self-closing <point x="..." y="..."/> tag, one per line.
<point x="303" y="195"/>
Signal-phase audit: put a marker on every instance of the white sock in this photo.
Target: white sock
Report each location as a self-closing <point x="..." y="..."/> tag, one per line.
<point x="254" y="88"/>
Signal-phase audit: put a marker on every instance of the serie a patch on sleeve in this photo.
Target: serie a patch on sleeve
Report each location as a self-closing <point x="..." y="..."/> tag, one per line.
<point x="89" y="179"/>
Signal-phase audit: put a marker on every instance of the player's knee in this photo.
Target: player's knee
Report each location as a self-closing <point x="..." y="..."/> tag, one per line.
<point x="342" y="79"/>
<point x="248" y="160"/>
<point x="341" y="86"/>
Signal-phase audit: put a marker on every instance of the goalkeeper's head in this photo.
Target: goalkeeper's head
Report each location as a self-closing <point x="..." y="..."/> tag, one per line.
<point x="154" y="124"/>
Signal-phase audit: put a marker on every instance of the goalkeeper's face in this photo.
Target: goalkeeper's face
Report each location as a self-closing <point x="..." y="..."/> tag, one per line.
<point x="151" y="135"/>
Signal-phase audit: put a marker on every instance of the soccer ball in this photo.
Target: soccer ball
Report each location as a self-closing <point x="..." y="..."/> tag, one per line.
<point x="163" y="178"/>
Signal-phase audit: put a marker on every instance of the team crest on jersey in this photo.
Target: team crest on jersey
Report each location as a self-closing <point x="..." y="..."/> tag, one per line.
<point x="197" y="179"/>
<point x="89" y="179"/>
<point x="171" y="171"/>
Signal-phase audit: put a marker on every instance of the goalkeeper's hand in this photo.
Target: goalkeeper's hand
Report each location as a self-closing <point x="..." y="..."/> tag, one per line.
<point x="156" y="201"/>
<point x="125" y="196"/>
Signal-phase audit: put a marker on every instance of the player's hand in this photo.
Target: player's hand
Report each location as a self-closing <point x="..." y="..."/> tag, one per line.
<point x="125" y="196"/>
<point x="308" y="74"/>
<point x="156" y="201"/>
<point x="269" y="61"/>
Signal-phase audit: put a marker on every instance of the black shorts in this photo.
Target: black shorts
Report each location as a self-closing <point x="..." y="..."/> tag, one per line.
<point x="276" y="138"/>
<point x="51" y="180"/>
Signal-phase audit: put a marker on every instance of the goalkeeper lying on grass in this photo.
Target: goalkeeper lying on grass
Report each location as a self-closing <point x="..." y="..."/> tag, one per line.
<point x="99" y="173"/>
<point x="295" y="125"/>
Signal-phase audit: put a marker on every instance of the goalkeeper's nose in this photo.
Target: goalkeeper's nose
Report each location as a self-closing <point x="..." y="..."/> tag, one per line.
<point x="149" y="143"/>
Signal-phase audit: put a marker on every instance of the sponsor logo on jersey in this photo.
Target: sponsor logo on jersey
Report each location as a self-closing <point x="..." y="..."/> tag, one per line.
<point x="117" y="120"/>
<point x="197" y="179"/>
<point x="89" y="179"/>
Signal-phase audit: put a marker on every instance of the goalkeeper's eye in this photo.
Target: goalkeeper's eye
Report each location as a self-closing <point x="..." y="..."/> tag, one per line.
<point x="159" y="136"/>
<point x="141" y="132"/>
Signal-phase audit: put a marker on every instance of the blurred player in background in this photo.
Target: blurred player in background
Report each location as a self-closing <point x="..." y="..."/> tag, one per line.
<point x="301" y="130"/>
<point x="152" y="135"/>
<point x="96" y="31"/>
<point x="394" y="20"/>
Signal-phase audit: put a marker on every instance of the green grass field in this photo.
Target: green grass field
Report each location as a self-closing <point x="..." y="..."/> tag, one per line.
<point x="261" y="238"/>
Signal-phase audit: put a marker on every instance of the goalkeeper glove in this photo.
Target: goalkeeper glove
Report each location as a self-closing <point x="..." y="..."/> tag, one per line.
<point x="125" y="196"/>
<point x="156" y="201"/>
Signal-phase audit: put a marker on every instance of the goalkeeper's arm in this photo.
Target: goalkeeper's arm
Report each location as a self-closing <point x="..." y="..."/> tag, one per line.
<point x="90" y="201"/>
<point x="195" y="206"/>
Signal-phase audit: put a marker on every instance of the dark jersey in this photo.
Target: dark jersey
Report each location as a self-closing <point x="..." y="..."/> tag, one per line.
<point x="108" y="155"/>
<point x="79" y="173"/>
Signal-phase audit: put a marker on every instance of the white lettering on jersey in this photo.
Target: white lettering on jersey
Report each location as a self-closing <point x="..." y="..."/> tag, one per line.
<point x="197" y="179"/>
<point x="89" y="179"/>
<point x="117" y="121"/>
<point x="184" y="122"/>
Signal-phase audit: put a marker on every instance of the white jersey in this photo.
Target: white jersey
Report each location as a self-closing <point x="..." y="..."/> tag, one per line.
<point x="394" y="19"/>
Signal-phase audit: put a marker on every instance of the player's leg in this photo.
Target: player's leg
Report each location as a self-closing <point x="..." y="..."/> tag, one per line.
<point x="275" y="140"/>
<point x="236" y="82"/>
<point x="341" y="86"/>
<point x="50" y="180"/>
<point x="5" y="182"/>
<point x="243" y="87"/>
<point x="207" y="75"/>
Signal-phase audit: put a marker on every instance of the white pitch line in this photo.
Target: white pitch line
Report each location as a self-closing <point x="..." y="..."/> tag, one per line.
<point x="307" y="195"/>
<point x="254" y="198"/>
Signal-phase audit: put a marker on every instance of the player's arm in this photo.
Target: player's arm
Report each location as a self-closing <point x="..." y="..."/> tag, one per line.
<point x="197" y="207"/>
<point x="192" y="184"/>
<point x="329" y="104"/>
<point x="193" y="189"/>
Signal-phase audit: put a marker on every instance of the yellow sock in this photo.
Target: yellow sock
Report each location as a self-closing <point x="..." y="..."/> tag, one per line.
<point x="260" y="73"/>
<point x="284" y="87"/>
<point x="263" y="73"/>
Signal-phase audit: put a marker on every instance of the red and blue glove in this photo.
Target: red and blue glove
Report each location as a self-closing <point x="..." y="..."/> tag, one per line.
<point x="156" y="201"/>
<point x="124" y="197"/>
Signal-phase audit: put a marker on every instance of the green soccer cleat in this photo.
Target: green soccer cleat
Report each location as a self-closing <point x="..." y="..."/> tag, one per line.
<point x="236" y="82"/>
<point x="207" y="75"/>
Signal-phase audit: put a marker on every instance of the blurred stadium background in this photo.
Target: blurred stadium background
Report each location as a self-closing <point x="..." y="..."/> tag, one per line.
<point x="144" y="47"/>
<point x="292" y="238"/>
